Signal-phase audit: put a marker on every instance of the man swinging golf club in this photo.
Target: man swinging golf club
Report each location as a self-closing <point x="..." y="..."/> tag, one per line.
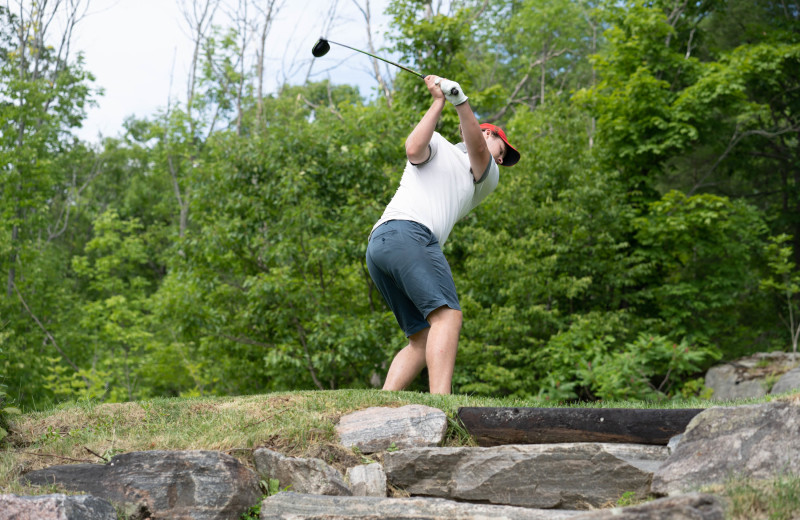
<point x="440" y="185"/>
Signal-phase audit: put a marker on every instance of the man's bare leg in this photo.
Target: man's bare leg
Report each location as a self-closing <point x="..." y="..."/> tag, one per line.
<point x="408" y="363"/>
<point x="442" y="347"/>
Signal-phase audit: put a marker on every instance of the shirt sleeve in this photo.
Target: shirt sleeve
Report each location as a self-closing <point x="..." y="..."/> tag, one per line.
<point x="486" y="185"/>
<point x="433" y="147"/>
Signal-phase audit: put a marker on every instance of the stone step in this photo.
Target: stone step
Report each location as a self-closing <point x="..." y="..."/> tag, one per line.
<point x="499" y="426"/>
<point x="552" y="476"/>
<point x="285" y="506"/>
<point x="293" y="506"/>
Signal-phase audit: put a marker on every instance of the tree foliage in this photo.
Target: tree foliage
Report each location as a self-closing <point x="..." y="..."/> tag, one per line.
<point x="217" y="246"/>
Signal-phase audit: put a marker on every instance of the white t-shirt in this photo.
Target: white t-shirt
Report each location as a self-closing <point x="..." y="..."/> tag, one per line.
<point x="441" y="191"/>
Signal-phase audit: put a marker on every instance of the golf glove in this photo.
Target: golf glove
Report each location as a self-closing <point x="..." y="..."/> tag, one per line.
<point x="453" y="92"/>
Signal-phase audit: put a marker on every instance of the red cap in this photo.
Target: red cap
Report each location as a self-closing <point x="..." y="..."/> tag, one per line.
<point x="512" y="155"/>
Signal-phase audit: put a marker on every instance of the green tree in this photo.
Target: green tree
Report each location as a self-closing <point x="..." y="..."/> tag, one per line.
<point x="784" y="282"/>
<point x="44" y="92"/>
<point x="701" y="255"/>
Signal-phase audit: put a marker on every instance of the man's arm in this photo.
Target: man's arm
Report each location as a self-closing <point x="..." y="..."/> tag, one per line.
<point x="477" y="150"/>
<point x="418" y="140"/>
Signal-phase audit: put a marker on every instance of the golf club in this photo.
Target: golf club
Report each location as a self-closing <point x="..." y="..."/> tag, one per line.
<point x="322" y="47"/>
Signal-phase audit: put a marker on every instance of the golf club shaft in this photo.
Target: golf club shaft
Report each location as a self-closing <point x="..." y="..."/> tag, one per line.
<point x="379" y="58"/>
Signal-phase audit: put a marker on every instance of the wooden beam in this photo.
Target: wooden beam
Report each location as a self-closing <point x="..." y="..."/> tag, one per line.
<point x="498" y="426"/>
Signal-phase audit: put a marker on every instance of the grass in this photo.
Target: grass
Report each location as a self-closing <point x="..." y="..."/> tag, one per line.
<point x="777" y="499"/>
<point x="294" y="423"/>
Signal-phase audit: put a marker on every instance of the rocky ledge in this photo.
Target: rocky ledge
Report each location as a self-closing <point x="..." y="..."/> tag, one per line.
<point x="568" y="480"/>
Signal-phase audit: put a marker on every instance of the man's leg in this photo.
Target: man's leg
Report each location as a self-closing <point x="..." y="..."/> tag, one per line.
<point x="408" y="363"/>
<point x="435" y="347"/>
<point x="441" y="348"/>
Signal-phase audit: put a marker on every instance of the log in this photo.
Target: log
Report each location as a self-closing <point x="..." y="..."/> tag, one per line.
<point x="499" y="426"/>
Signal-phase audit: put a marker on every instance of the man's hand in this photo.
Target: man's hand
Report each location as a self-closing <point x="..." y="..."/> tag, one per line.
<point x="452" y="91"/>
<point x="432" y="82"/>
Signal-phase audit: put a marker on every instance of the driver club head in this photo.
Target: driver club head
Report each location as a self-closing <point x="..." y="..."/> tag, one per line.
<point x="321" y="48"/>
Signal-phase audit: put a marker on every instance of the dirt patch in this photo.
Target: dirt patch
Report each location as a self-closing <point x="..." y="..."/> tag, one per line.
<point x="337" y="456"/>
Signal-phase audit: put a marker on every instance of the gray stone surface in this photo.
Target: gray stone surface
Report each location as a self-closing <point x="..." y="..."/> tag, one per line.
<point x="694" y="506"/>
<point x="301" y="475"/>
<point x="756" y="441"/>
<point x="286" y="506"/>
<point x="646" y="457"/>
<point x="55" y="507"/>
<point x="367" y="480"/>
<point x="788" y="381"/>
<point x="747" y="377"/>
<point x="376" y="429"/>
<point x="551" y="476"/>
<point x="165" y="484"/>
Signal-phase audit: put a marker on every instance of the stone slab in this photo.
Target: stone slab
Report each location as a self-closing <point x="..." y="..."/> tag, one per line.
<point x="292" y="506"/>
<point x="378" y="428"/>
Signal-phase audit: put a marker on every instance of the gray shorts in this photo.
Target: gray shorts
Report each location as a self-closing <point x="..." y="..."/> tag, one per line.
<point x="408" y="267"/>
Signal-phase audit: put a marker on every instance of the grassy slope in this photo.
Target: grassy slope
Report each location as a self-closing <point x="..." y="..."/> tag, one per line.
<point x="295" y="423"/>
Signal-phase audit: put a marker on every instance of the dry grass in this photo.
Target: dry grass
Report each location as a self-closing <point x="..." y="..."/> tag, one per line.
<point x="296" y="424"/>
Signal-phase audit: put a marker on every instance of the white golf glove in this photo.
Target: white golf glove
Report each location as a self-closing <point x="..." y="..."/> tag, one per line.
<point x="452" y="92"/>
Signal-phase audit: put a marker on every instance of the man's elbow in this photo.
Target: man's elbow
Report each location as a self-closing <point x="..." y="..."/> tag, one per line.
<point x="417" y="154"/>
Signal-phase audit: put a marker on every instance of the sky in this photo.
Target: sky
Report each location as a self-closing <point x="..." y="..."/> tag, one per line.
<point x="139" y="52"/>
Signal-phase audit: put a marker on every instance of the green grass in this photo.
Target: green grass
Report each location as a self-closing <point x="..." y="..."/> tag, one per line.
<point x="776" y="499"/>
<point x="294" y="423"/>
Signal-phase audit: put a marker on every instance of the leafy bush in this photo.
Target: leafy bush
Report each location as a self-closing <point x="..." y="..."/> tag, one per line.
<point x="6" y="412"/>
<point x="649" y="368"/>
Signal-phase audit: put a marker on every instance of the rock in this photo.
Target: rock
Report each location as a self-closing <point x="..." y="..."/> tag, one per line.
<point x="376" y="429"/>
<point x="285" y="506"/>
<point x="367" y="481"/>
<point x="673" y="443"/>
<point x="694" y="506"/>
<point x="166" y="484"/>
<point x="788" y="381"/>
<point x="747" y="377"/>
<point x="755" y="441"/>
<point x="645" y="457"/>
<point x="55" y="507"/>
<point x="549" y="476"/>
<point x="300" y="475"/>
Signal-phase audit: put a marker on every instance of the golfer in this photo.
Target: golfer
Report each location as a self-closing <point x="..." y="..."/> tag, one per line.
<point x="441" y="184"/>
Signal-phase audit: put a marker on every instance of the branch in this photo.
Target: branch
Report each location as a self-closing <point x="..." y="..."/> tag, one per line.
<point x="375" y="68"/>
<point x="317" y="107"/>
<point x="301" y="333"/>
<point x="49" y="336"/>
<point x="56" y="457"/>
<point x="95" y="454"/>
<point x="52" y="339"/>
<point x="246" y="341"/>
<point x="513" y="97"/>
<point x="68" y="204"/>
<point x="735" y="139"/>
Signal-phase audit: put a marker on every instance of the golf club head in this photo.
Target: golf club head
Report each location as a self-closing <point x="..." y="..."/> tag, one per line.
<point x="321" y="48"/>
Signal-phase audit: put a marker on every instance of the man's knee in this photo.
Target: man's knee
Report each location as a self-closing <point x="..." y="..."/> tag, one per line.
<point x="446" y="315"/>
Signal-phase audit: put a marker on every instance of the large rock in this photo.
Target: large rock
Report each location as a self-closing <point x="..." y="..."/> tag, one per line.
<point x="163" y="484"/>
<point x="694" y="506"/>
<point x="376" y="429"/>
<point x="560" y="476"/>
<point x="788" y="381"/>
<point x="756" y="441"/>
<point x="300" y="475"/>
<point x="749" y="376"/>
<point x="367" y="480"/>
<point x="55" y="507"/>
<point x="291" y="506"/>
